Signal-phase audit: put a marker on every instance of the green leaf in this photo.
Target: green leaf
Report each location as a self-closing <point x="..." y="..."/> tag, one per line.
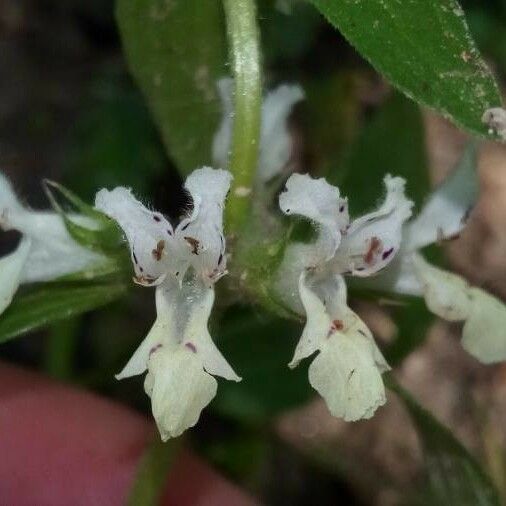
<point x="260" y="349"/>
<point x="104" y="235"/>
<point x="52" y="302"/>
<point x="332" y="135"/>
<point x="425" y="49"/>
<point x="152" y="473"/>
<point x="392" y="142"/>
<point x="114" y="140"/>
<point x="176" y="51"/>
<point x="454" y="476"/>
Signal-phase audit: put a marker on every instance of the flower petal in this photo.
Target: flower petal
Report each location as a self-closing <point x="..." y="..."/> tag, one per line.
<point x="9" y="203"/>
<point x="197" y="337"/>
<point x="484" y="333"/>
<point x="275" y="139"/>
<point x="319" y="202"/>
<point x="179" y="389"/>
<point x="54" y="253"/>
<point x="450" y="297"/>
<point x="346" y="376"/>
<point x="445" y="212"/>
<point x="223" y="138"/>
<point x="200" y="237"/>
<point x="149" y="234"/>
<point x="318" y="323"/>
<point x="161" y="332"/>
<point x="446" y="294"/>
<point x="398" y="277"/>
<point x="372" y="241"/>
<point x="11" y="267"/>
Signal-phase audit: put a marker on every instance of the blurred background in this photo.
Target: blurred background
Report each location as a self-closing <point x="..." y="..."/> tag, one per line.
<point x="69" y="111"/>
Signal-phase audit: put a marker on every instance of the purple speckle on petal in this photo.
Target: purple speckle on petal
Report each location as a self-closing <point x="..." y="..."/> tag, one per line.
<point x="191" y="347"/>
<point x="341" y="209"/>
<point x="154" y="348"/>
<point x="387" y="253"/>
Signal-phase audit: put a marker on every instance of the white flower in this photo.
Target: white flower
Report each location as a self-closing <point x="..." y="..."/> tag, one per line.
<point x="347" y="370"/>
<point x="448" y="295"/>
<point x="184" y="262"/>
<point x="46" y="250"/>
<point x="275" y="139"/>
<point x="180" y="357"/>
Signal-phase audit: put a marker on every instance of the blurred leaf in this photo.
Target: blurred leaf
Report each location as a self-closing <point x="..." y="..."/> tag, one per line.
<point x="52" y="302"/>
<point x="259" y="350"/>
<point x="488" y="25"/>
<point x="425" y="49"/>
<point x="331" y="135"/>
<point x="241" y="454"/>
<point x="454" y="476"/>
<point x="176" y="51"/>
<point x="287" y="36"/>
<point x="392" y="142"/>
<point x="114" y="141"/>
<point x="412" y="319"/>
<point x="152" y="473"/>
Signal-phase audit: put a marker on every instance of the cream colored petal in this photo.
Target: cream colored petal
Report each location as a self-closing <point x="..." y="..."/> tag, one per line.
<point x="179" y="389"/>
<point x="446" y="294"/>
<point x="445" y="212"/>
<point x="484" y="333"/>
<point x="198" y="339"/>
<point x="318" y="323"/>
<point x="275" y="139"/>
<point x="162" y="332"/>
<point x="345" y="374"/>
<point x="11" y="269"/>
<point x="450" y="297"/>
<point x="223" y="137"/>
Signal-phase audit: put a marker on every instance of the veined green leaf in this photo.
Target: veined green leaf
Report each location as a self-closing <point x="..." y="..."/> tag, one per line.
<point x="176" y="51"/>
<point x="425" y="49"/>
<point x="454" y="476"/>
<point x="52" y="302"/>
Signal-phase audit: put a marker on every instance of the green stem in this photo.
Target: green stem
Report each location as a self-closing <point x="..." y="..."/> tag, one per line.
<point x="61" y="348"/>
<point x="244" y="47"/>
<point x="152" y="472"/>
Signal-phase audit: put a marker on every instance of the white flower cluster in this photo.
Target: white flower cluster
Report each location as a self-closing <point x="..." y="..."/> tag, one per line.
<point x="184" y="262"/>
